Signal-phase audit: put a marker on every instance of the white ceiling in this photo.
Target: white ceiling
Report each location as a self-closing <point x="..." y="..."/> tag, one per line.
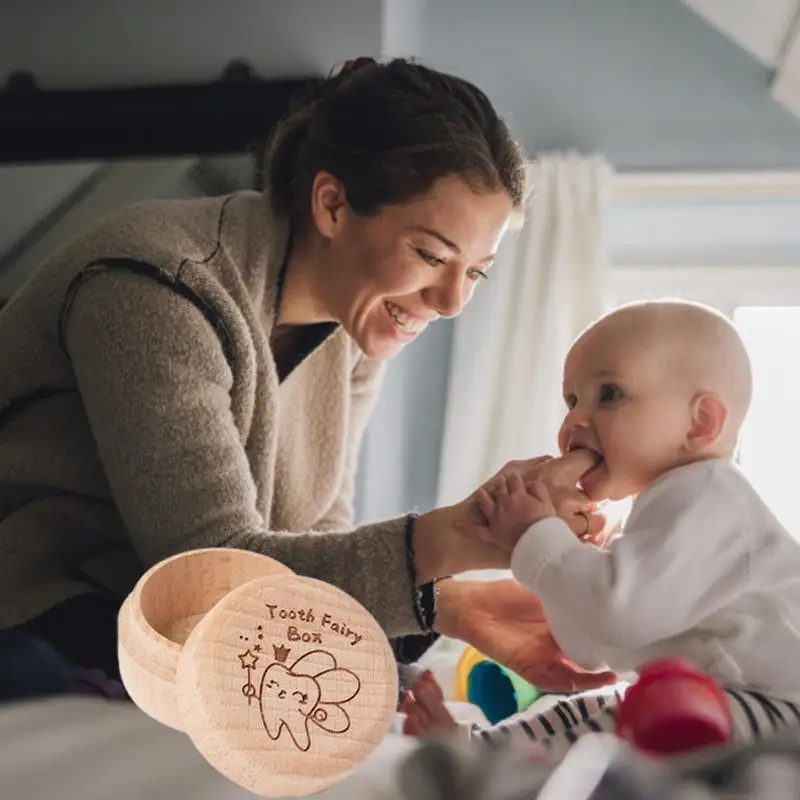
<point x="760" y="26"/>
<point x="768" y="30"/>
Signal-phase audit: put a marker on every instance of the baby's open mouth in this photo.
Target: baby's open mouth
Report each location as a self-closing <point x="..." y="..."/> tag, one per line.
<point x="571" y="448"/>
<point x="599" y="461"/>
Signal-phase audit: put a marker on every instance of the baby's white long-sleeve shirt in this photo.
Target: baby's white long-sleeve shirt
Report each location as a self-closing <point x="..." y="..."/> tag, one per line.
<point x="703" y="571"/>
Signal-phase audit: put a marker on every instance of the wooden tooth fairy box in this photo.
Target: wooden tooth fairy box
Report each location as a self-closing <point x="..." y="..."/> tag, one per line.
<point x="284" y="684"/>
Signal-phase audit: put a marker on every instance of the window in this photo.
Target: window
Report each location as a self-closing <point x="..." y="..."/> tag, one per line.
<point x="771" y="435"/>
<point x="764" y="304"/>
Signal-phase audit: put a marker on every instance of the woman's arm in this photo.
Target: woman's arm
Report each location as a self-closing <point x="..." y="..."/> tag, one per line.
<point x="156" y="388"/>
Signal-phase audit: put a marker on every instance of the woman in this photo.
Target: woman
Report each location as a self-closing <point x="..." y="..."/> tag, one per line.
<point x="199" y="373"/>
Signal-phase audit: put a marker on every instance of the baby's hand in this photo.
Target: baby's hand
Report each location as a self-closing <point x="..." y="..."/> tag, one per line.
<point x="426" y="713"/>
<point x="514" y="508"/>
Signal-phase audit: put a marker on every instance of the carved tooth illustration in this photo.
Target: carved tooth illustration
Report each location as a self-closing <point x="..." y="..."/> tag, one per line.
<point x="287" y="699"/>
<point x="312" y="689"/>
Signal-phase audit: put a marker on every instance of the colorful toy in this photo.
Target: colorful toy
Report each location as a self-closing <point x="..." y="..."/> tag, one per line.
<point x="496" y="690"/>
<point x="673" y="709"/>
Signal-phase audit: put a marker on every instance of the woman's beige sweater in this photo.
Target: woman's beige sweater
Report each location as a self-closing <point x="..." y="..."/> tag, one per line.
<point x="141" y="415"/>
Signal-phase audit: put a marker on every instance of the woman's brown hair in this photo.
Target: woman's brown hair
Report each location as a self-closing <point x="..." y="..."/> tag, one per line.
<point x="389" y="132"/>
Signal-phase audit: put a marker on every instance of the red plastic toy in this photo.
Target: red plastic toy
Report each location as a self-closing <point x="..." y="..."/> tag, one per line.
<point x="673" y="709"/>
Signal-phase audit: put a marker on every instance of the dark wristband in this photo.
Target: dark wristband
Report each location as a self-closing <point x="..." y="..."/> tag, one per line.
<point x="423" y="597"/>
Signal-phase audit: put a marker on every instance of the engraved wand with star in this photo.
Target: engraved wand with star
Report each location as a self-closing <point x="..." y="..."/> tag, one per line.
<point x="249" y="661"/>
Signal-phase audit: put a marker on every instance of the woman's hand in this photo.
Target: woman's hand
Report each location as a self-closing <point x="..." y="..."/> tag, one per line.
<point x="506" y="623"/>
<point x="560" y="477"/>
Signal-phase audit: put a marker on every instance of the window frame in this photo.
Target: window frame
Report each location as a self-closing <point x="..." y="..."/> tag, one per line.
<point x="724" y="287"/>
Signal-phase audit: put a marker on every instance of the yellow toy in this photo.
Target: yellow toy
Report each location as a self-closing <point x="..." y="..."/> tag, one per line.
<point x="497" y="691"/>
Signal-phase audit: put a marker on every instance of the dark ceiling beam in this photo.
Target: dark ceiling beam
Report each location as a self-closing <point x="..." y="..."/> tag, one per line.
<point x="228" y="116"/>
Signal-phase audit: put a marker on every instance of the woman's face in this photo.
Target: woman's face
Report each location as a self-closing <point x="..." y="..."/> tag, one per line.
<point x="388" y="275"/>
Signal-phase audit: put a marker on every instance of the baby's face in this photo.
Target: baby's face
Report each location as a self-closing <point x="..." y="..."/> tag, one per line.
<point x="624" y="401"/>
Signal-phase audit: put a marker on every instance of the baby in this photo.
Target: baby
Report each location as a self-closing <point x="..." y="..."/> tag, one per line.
<point x="703" y="571"/>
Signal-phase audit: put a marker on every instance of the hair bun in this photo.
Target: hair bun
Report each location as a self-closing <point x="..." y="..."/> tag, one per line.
<point x="336" y="77"/>
<point x="354" y="64"/>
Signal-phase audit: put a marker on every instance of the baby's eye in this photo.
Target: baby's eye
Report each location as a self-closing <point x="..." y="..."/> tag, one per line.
<point x="609" y="393"/>
<point x="570" y="400"/>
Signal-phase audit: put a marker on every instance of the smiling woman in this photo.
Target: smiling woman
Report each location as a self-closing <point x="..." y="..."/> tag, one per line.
<point x="396" y="276"/>
<point x="386" y="275"/>
<point x="199" y="373"/>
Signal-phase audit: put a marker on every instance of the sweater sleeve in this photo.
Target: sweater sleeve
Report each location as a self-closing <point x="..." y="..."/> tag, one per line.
<point x="155" y="385"/>
<point x="684" y="554"/>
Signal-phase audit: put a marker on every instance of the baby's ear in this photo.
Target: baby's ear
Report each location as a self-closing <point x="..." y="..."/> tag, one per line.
<point x="708" y="418"/>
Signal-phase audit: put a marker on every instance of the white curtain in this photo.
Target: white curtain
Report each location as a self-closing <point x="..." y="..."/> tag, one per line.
<point x="549" y="283"/>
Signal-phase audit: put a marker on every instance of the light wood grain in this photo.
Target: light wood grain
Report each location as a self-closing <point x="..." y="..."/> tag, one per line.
<point x="287" y="685"/>
<point x="164" y="607"/>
